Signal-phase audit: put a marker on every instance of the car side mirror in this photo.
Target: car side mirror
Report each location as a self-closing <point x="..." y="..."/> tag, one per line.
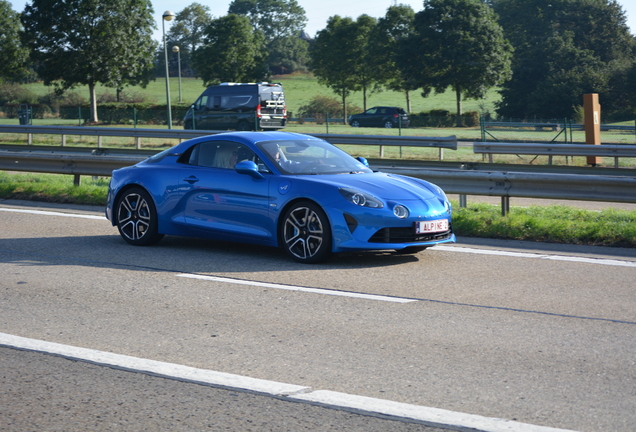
<point x="250" y="168"/>
<point x="364" y="161"/>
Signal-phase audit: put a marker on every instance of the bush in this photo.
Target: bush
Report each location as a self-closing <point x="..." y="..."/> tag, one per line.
<point x="37" y="110"/>
<point x="470" y="119"/>
<point x="440" y="118"/>
<point x="16" y="94"/>
<point x="320" y="106"/>
<point x="54" y="100"/>
<point x="123" y="113"/>
<point x="125" y="96"/>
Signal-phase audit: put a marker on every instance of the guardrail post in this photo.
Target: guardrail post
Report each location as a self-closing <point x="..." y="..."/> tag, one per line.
<point x="505" y="205"/>
<point x="63" y="140"/>
<point x="77" y="180"/>
<point x="592" y="114"/>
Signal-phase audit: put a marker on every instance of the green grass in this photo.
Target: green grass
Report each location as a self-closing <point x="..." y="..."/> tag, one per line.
<point x="557" y="224"/>
<point x="299" y="89"/>
<point x="54" y="188"/>
<point x="554" y="224"/>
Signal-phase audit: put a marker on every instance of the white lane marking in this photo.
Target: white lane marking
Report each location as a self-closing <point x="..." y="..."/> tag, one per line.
<point x="601" y="261"/>
<point x="434" y="417"/>
<point x="50" y="213"/>
<point x="154" y="367"/>
<point x="299" y="288"/>
<point x="362" y="404"/>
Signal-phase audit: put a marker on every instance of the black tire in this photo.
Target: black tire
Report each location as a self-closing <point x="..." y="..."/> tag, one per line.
<point x="244" y="126"/>
<point x="410" y="250"/>
<point x="355" y="123"/>
<point x="305" y="233"/>
<point x="388" y="124"/>
<point x="137" y="220"/>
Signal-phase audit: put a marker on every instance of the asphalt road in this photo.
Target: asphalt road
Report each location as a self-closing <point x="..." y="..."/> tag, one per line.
<point x="539" y="334"/>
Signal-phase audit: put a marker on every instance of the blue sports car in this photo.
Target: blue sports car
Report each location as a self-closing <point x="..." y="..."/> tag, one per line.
<point x="281" y="189"/>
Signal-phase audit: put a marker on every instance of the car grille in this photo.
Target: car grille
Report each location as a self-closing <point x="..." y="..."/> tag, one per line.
<point x="406" y="235"/>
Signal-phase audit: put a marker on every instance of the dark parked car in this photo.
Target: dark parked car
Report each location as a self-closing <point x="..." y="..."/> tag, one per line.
<point x="381" y="116"/>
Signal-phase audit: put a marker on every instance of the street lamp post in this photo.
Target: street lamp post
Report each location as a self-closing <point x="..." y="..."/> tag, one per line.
<point x="175" y="49"/>
<point x="167" y="16"/>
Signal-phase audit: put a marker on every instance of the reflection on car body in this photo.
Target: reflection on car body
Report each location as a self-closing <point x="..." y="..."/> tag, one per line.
<point x="293" y="191"/>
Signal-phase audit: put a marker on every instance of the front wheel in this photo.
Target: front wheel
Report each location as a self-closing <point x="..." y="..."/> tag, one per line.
<point x="137" y="219"/>
<point x="244" y="126"/>
<point x="306" y="233"/>
<point x="355" y="123"/>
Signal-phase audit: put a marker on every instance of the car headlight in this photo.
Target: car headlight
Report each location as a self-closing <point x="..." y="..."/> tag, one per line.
<point x="360" y="198"/>
<point x="401" y="211"/>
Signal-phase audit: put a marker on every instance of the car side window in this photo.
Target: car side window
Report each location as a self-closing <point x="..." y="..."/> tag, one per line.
<point x="218" y="154"/>
<point x="371" y="111"/>
<point x="201" y="102"/>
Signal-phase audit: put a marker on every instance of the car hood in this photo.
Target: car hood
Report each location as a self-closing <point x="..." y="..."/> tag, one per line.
<point x="385" y="186"/>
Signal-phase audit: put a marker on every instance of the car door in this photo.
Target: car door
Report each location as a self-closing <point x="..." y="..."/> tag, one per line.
<point x="222" y="202"/>
<point x="202" y="114"/>
<point x="367" y="119"/>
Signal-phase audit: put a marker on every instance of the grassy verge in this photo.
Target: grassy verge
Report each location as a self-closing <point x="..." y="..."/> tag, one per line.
<point x="53" y="188"/>
<point x="553" y="224"/>
<point x="556" y="224"/>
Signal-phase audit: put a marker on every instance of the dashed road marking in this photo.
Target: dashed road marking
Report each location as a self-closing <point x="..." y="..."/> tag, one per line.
<point x="435" y="417"/>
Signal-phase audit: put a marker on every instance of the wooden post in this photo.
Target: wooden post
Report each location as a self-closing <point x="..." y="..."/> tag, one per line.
<point x="592" y="124"/>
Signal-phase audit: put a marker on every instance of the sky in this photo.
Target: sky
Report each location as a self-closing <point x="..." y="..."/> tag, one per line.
<point x="317" y="11"/>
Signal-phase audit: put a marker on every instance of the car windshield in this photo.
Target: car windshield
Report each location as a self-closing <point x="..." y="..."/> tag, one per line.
<point x="311" y="157"/>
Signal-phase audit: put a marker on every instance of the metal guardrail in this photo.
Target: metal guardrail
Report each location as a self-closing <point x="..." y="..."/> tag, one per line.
<point x="615" y="151"/>
<point x="449" y="142"/>
<point x="553" y="126"/>
<point x="63" y="131"/>
<point x="586" y="187"/>
<point x="528" y="185"/>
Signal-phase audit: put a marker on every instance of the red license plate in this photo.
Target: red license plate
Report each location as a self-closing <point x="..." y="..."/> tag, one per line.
<point x="434" y="226"/>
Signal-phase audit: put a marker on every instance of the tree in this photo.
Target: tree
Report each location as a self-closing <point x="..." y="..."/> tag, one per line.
<point x="187" y="33"/>
<point x="86" y="42"/>
<point x="232" y="52"/>
<point x="340" y="56"/>
<point x="385" y="39"/>
<point x="563" y="49"/>
<point x="288" y="54"/>
<point x="275" y="18"/>
<point x="461" y="46"/>
<point x="329" y="61"/>
<point x="14" y="54"/>
<point x="281" y="23"/>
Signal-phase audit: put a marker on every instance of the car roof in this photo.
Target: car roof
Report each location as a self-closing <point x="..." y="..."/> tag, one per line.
<point x="243" y="137"/>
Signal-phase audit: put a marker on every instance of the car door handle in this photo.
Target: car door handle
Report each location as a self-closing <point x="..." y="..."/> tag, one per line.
<point x="191" y="179"/>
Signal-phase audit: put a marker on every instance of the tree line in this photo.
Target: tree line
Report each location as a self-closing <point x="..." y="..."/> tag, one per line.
<point x="542" y="55"/>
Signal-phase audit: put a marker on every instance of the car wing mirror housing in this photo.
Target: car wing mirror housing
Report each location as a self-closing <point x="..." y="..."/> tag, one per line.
<point x="364" y="161"/>
<point x="250" y="168"/>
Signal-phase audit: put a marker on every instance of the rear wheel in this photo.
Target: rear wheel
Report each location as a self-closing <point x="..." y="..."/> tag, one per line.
<point x="388" y="124"/>
<point x="137" y="220"/>
<point x="305" y="233"/>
